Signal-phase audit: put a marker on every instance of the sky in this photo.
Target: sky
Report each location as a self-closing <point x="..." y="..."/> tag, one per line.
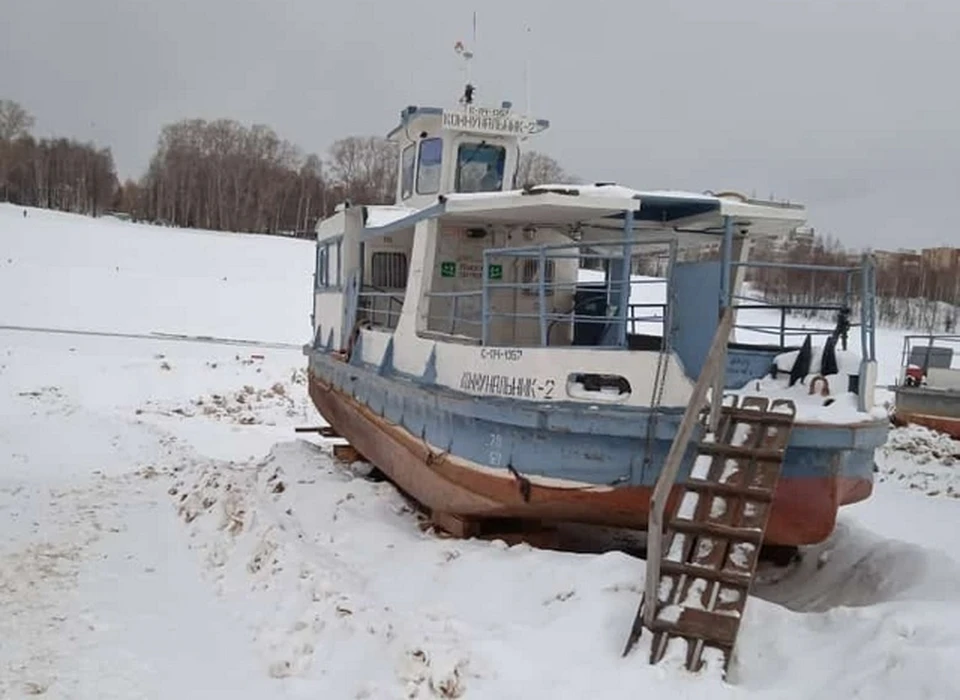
<point x="848" y="106"/>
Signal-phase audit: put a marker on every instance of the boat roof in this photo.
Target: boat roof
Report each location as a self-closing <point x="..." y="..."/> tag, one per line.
<point x="601" y="206"/>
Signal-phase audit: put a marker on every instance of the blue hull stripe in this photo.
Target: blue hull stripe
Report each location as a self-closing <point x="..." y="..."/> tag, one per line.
<point x="565" y="440"/>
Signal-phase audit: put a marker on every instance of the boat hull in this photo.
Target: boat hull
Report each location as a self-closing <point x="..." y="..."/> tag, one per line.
<point x="804" y="509"/>
<point x="937" y="410"/>
<point x="942" y="424"/>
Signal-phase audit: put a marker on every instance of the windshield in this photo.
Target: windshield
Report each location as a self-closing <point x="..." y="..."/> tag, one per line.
<point x="480" y="167"/>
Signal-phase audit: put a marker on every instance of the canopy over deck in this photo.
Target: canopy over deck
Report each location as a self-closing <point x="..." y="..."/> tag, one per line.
<point x="596" y="210"/>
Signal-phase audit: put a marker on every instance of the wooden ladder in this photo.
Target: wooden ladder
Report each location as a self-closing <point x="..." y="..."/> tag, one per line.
<point x="715" y="531"/>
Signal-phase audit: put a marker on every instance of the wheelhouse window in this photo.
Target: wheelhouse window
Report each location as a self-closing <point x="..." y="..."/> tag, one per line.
<point x="408" y="159"/>
<point x="480" y="167"/>
<point x="428" y="169"/>
<point x="388" y="270"/>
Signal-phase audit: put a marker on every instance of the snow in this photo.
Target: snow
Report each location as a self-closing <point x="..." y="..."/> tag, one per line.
<point x="383" y="215"/>
<point x="164" y="538"/>
<point x="688" y="505"/>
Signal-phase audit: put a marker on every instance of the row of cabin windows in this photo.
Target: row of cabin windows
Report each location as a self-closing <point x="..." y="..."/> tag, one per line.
<point x="479" y="167"/>
<point x="388" y="270"/>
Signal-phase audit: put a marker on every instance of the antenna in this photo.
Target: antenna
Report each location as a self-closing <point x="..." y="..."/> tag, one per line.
<point x="526" y="74"/>
<point x="466" y="53"/>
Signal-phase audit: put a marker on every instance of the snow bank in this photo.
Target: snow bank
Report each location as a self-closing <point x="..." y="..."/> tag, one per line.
<point x="165" y="537"/>
<point x="73" y="271"/>
<point x="921" y="459"/>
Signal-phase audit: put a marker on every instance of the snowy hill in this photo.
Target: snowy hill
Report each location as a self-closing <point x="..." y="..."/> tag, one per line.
<point x="168" y="536"/>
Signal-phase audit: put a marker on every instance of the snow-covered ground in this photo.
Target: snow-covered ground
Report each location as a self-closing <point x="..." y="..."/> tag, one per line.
<point x="168" y="535"/>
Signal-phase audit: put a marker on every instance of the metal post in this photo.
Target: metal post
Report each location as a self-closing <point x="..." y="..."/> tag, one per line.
<point x="625" y="277"/>
<point x="725" y="264"/>
<point x="873" y="309"/>
<point x="485" y="302"/>
<point x="783" y="326"/>
<point x="864" y="291"/>
<point x="668" y="297"/>
<point x="453" y="314"/>
<point x="542" y="294"/>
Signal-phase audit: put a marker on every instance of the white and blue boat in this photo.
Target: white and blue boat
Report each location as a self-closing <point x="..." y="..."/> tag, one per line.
<point x="462" y="349"/>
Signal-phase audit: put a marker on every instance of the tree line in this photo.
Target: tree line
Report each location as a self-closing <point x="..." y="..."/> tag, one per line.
<point x="910" y="291"/>
<point x="55" y="173"/>
<point x="227" y="176"/>
<point x="218" y="174"/>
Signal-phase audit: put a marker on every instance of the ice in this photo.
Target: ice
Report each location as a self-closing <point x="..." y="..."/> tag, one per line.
<point x="731" y="468"/>
<point x="718" y="507"/>
<point x="701" y="467"/>
<point x="688" y="506"/>
<point x="741" y="434"/>
<point x="741" y="554"/>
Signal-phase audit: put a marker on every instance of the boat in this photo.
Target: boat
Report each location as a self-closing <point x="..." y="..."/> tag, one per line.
<point x="927" y="391"/>
<point x="461" y="348"/>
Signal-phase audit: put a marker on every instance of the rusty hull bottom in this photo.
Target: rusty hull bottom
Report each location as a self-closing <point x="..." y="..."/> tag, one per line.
<point x="804" y="510"/>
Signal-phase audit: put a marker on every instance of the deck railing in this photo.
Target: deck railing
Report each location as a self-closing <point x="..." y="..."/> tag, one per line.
<point x="380" y="307"/>
<point x="537" y="265"/>
<point x="854" y="295"/>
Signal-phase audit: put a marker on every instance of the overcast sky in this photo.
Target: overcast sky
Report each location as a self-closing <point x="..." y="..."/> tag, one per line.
<point x="850" y="106"/>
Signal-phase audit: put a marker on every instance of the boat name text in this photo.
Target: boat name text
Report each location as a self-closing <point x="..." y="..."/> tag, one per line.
<point x="508" y="354"/>
<point x="489" y="121"/>
<point x="501" y="385"/>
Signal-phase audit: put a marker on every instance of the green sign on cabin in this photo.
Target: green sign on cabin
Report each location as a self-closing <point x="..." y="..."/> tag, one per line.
<point x="448" y="269"/>
<point x="495" y="272"/>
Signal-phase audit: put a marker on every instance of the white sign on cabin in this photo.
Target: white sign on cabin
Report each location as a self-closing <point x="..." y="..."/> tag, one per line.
<point x="488" y="120"/>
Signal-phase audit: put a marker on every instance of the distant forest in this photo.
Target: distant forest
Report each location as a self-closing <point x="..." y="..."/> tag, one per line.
<point x="219" y="175"/>
<point x="227" y="176"/>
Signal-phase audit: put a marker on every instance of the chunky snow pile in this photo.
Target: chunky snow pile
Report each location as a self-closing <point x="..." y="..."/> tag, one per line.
<point x="921" y="459"/>
<point x="248" y="405"/>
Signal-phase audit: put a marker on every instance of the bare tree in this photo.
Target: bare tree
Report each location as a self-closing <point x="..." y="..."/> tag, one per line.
<point x="15" y="124"/>
<point x="227" y="176"/>
<point x="537" y="168"/>
<point x="364" y="169"/>
<point x="15" y="121"/>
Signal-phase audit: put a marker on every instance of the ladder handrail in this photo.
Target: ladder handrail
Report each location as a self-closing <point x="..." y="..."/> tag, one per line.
<point x="658" y="501"/>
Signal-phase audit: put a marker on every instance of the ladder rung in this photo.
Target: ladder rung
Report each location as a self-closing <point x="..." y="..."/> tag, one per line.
<point x="760" y="417"/>
<point x="763" y="495"/>
<point x="713" y="449"/>
<point x="737" y="534"/>
<point x="710" y="627"/>
<point x="720" y="575"/>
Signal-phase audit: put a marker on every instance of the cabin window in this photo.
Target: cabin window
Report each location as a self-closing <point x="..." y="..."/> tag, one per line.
<point x="340" y="263"/>
<point x="406" y="171"/>
<point x="388" y="270"/>
<point x="323" y="265"/>
<point x="480" y="167"/>
<point x="529" y="275"/>
<point x="428" y="170"/>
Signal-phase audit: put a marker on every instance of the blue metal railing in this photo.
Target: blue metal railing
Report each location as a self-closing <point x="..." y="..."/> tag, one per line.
<point x="618" y="286"/>
<point x="866" y="271"/>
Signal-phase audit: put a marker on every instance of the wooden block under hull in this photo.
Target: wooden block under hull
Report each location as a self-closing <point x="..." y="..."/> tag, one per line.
<point x="511" y="531"/>
<point x="347" y="454"/>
